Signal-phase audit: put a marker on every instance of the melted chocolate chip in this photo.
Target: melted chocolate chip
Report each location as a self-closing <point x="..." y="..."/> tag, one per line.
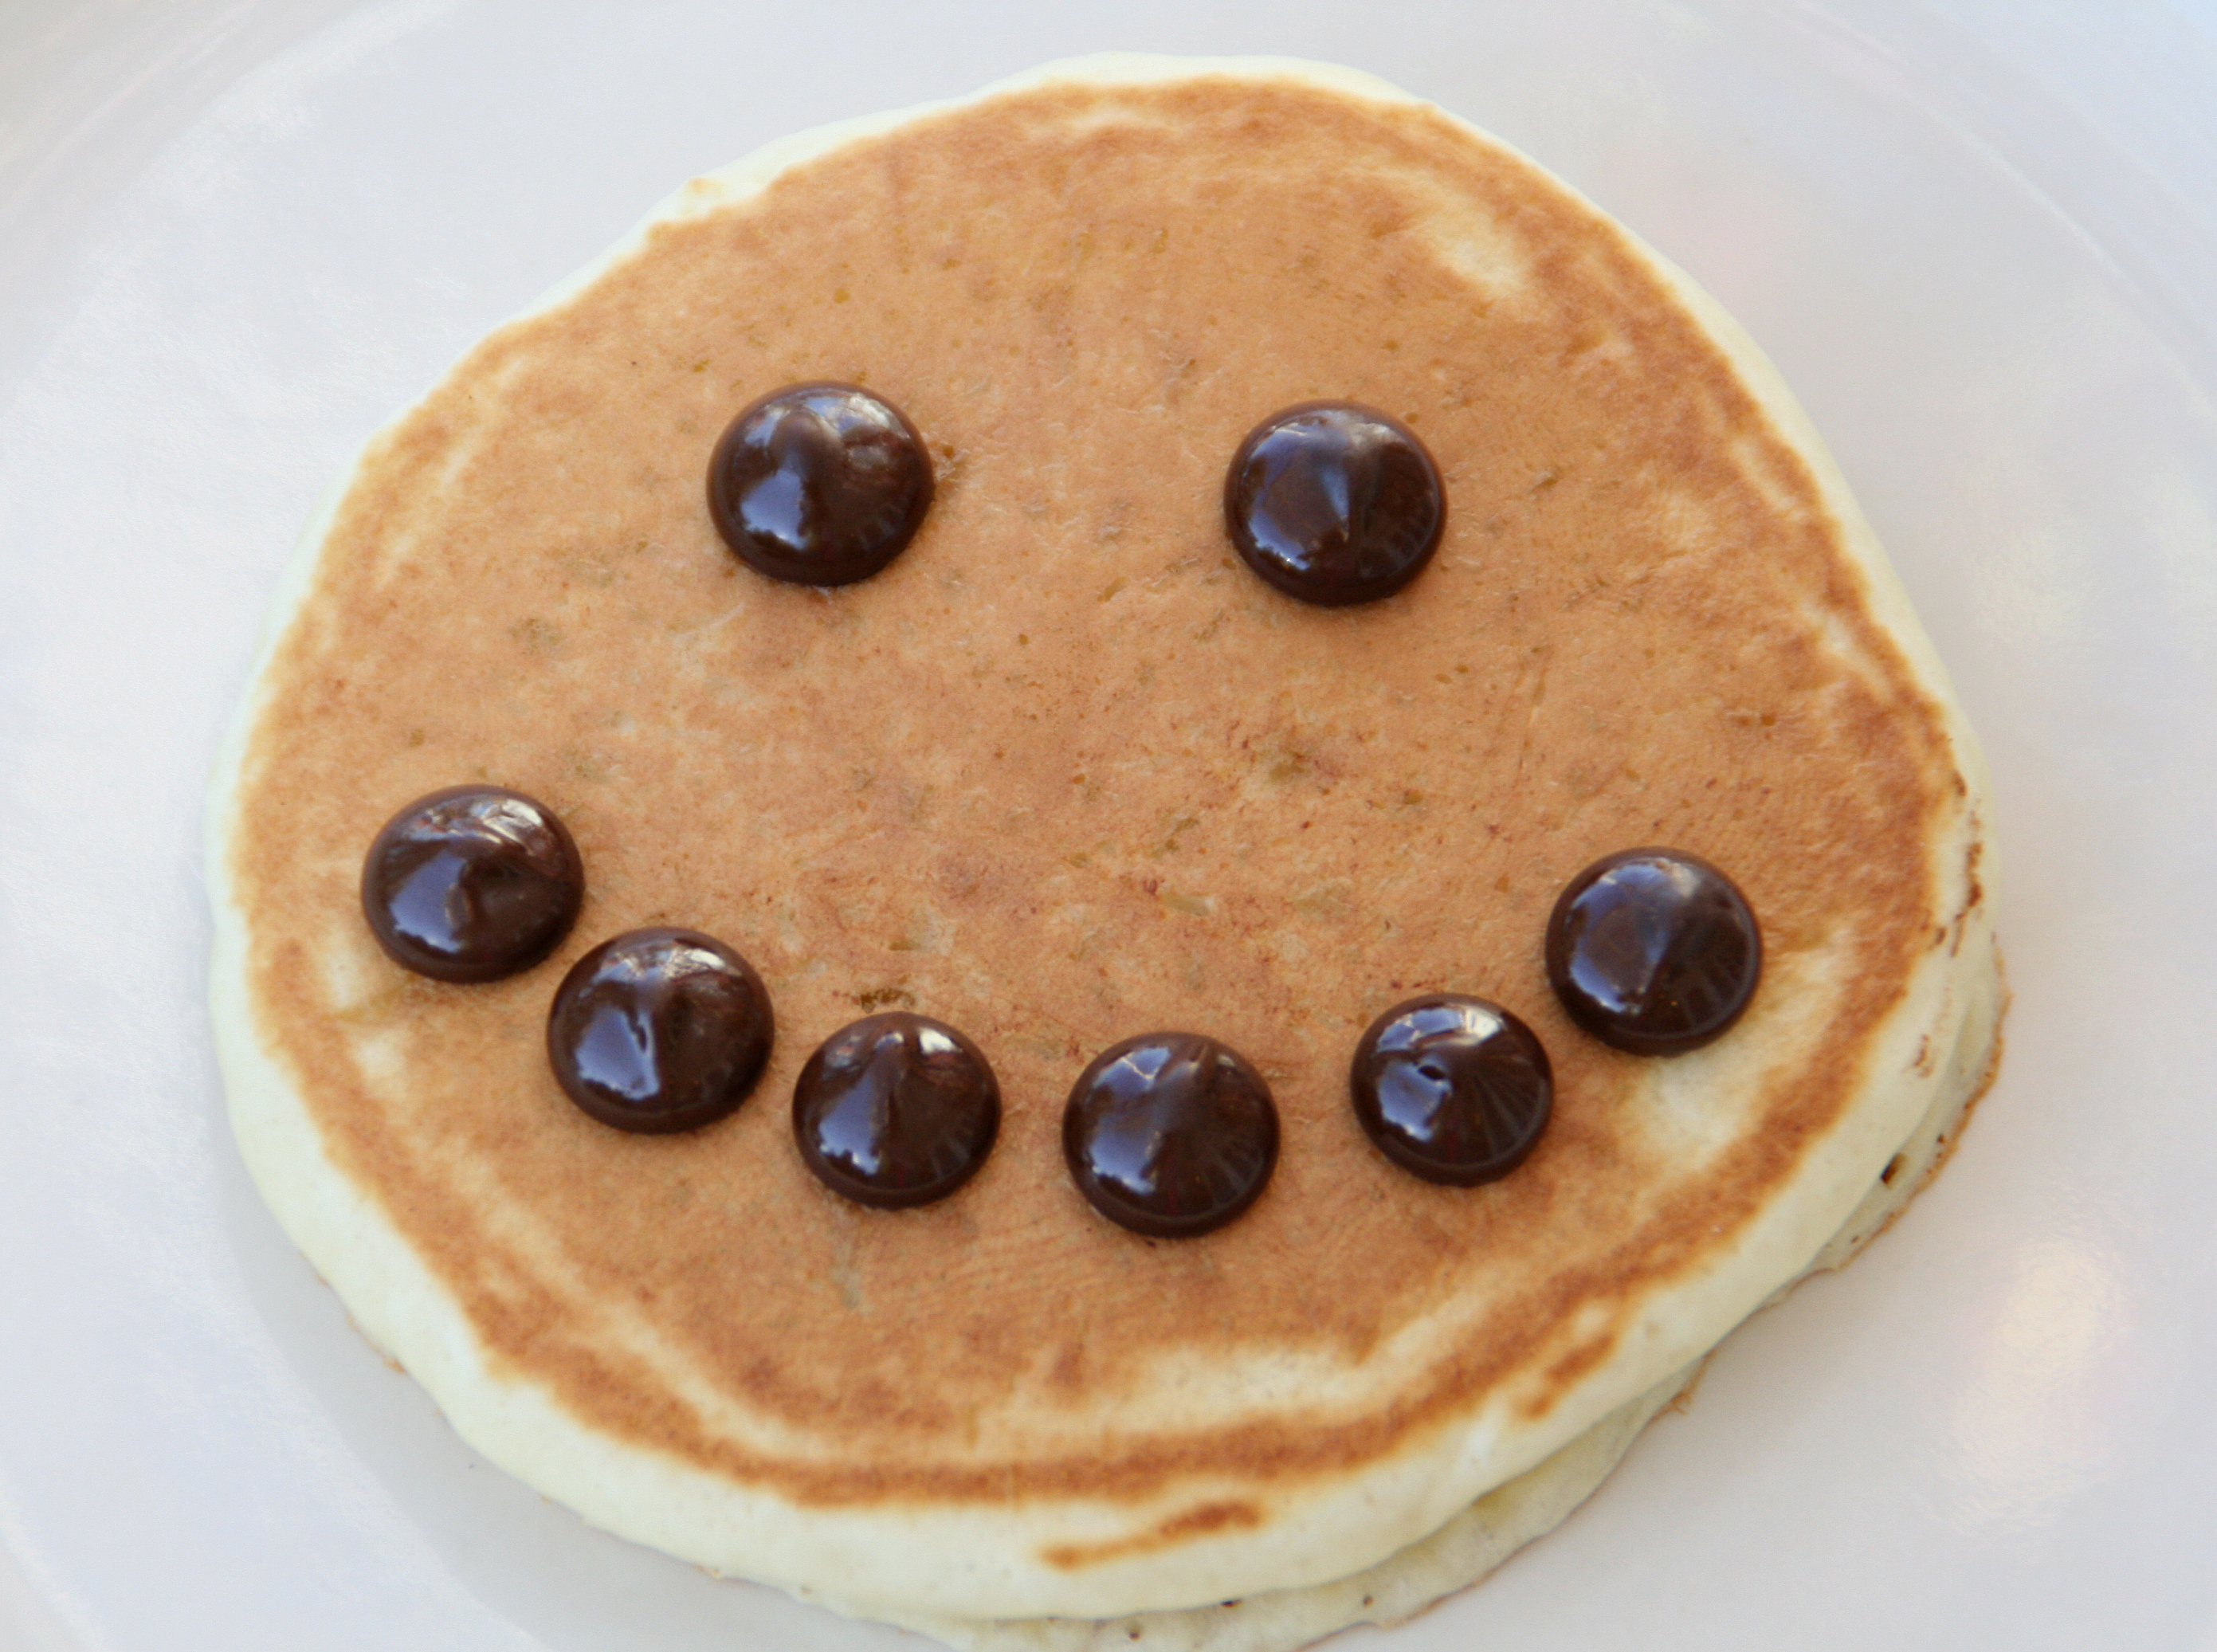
<point x="819" y="484"/>
<point x="895" y="1110"/>
<point x="1170" y="1135"/>
<point x="1334" y="503"/>
<point x="1653" y="951"/>
<point x="659" y="1030"/>
<point x="1454" y="1089"/>
<point x="471" y="883"/>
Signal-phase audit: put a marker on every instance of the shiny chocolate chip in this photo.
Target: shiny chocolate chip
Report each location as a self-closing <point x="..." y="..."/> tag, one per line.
<point x="1453" y="1089"/>
<point x="1653" y="951"/>
<point x="659" y="1030"/>
<point x="819" y="484"/>
<point x="1334" y="503"/>
<point x="471" y="883"/>
<point x="1170" y="1135"/>
<point x="895" y="1110"/>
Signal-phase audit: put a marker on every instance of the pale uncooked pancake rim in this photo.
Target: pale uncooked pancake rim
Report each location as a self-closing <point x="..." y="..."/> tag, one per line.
<point x="981" y="1562"/>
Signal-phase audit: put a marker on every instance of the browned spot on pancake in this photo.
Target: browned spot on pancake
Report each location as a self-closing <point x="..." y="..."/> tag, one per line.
<point x="1198" y="1522"/>
<point x="1681" y="1402"/>
<point x="1581" y="1358"/>
<point x="877" y="791"/>
<point x="1974" y="895"/>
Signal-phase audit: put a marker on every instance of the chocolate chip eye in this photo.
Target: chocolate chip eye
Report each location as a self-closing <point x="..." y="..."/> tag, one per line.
<point x="659" y="1030"/>
<point x="1453" y="1089"/>
<point x="1170" y="1135"/>
<point x="1653" y="951"/>
<point x="471" y="883"/>
<point x="895" y="1110"/>
<point x="1334" y="503"/>
<point x="819" y="484"/>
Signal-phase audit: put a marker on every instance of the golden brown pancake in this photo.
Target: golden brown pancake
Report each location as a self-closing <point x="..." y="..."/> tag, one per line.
<point x="1065" y="772"/>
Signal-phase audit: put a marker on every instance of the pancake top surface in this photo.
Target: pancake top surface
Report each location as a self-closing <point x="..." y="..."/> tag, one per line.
<point x="1066" y="772"/>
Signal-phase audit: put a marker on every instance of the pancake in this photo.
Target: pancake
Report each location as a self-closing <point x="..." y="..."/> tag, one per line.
<point x="1064" y="772"/>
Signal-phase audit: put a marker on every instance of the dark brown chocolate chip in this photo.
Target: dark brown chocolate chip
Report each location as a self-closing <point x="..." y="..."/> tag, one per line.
<point x="819" y="484"/>
<point x="1653" y="951"/>
<point x="471" y="883"/>
<point x="895" y="1110"/>
<point x="659" y="1030"/>
<point x="1334" y="503"/>
<point x="1170" y="1134"/>
<point x="1453" y="1089"/>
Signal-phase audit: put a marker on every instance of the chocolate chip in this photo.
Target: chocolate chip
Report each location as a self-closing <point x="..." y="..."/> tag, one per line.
<point x="895" y="1110"/>
<point x="1170" y="1134"/>
<point x="1334" y="503"/>
<point x="1453" y="1089"/>
<point x="819" y="484"/>
<point x="1653" y="951"/>
<point x="471" y="883"/>
<point x="659" y="1030"/>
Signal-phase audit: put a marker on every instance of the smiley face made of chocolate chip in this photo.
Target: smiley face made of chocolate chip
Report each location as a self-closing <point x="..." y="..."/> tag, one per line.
<point x="1059" y="724"/>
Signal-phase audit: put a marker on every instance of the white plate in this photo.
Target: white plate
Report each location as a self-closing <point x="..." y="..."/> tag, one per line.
<point x="1977" y="236"/>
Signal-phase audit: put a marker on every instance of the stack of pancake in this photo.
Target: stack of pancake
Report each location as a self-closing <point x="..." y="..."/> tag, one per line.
<point x="1064" y="772"/>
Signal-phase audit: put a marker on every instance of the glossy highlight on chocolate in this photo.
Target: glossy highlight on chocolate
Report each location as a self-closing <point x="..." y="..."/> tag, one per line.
<point x="1334" y="503"/>
<point x="471" y="883"/>
<point x="659" y="1030"/>
<point x="819" y="484"/>
<point x="1172" y="1134"/>
<point x="1453" y="1089"/>
<point x="895" y="1111"/>
<point x="1654" y="952"/>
